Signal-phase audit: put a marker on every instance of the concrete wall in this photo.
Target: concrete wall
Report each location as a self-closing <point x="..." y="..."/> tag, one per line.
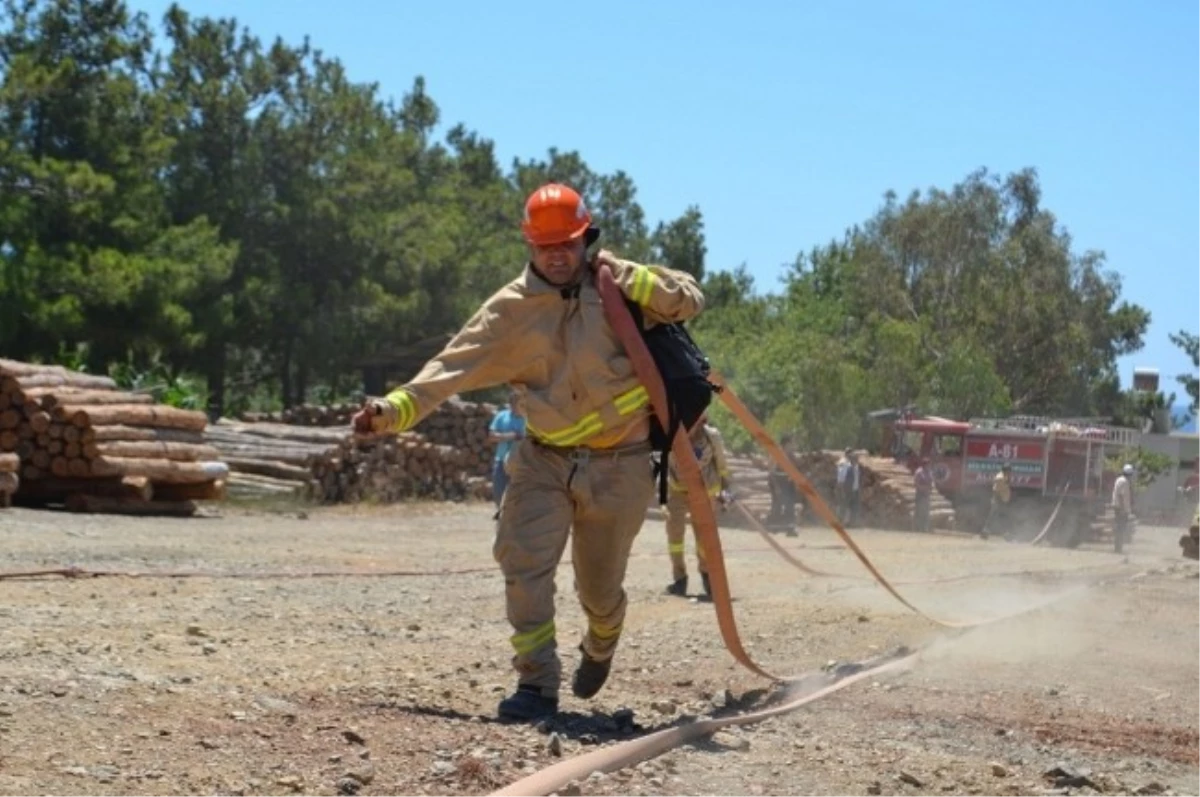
<point x="1163" y="493"/>
<point x="1189" y="450"/>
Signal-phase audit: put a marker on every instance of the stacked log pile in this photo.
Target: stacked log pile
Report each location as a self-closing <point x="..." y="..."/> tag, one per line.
<point x="750" y="485"/>
<point x="887" y="500"/>
<point x="888" y="494"/>
<point x="273" y="459"/>
<point x="83" y="443"/>
<point x="9" y="480"/>
<point x="462" y="425"/>
<point x="329" y="465"/>
<point x="306" y="415"/>
<point x="398" y="467"/>
<point x="459" y="424"/>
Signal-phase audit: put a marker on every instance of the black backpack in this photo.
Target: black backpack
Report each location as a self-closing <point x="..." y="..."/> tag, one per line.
<point x="684" y="370"/>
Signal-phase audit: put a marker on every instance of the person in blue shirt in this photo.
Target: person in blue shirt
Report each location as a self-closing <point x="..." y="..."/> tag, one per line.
<point x="507" y="427"/>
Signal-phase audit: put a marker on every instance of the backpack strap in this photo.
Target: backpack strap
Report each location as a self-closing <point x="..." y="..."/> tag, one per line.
<point x="663" y="471"/>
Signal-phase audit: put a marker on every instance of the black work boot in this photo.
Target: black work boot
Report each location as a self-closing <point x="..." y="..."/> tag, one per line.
<point x="707" y="586"/>
<point x="590" y="676"/>
<point x="527" y="703"/>
<point x="678" y="587"/>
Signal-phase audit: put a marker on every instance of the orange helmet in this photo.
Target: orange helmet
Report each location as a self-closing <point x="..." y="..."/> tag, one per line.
<point x="555" y="214"/>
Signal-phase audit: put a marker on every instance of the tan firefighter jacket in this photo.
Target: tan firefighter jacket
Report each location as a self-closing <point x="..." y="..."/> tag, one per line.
<point x="709" y="446"/>
<point x="556" y="348"/>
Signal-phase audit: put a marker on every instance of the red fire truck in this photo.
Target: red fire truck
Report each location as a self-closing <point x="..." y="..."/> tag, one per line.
<point x="1050" y="459"/>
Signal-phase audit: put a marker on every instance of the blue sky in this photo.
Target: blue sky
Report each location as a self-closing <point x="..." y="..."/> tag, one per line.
<point x="787" y="122"/>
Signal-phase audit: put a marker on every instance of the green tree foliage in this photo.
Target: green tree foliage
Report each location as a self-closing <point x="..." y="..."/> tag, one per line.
<point x="237" y="222"/>
<point x="1191" y="384"/>
<point x="964" y="303"/>
<point x="1148" y="465"/>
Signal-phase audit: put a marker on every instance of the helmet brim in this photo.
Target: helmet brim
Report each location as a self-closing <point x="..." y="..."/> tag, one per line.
<point x="550" y="239"/>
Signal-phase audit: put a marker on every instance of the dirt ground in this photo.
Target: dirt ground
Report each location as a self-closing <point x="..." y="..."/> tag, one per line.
<point x="387" y="684"/>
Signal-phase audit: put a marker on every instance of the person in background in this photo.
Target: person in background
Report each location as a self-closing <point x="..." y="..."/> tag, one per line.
<point x="923" y="481"/>
<point x="997" y="519"/>
<point x="783" y="491"/>
<point x="849" y="488"/>
<point x="840" y="497"/>
<point x="1122" y="504"/>
<point x="507" y="427"/>
<point x="709" y="447"/>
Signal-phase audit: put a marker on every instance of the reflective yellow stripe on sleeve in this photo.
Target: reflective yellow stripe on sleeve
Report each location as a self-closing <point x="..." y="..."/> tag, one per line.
<point x="643" y="285"/>
<point x="406" y="409"/>
<point x="675" y="547"/>
<point x="530" y="641"/>
<point x="590" y="425"/>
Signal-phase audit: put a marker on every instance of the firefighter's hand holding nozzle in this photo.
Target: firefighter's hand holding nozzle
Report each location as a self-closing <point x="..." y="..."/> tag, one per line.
<point x="376" y="417"/>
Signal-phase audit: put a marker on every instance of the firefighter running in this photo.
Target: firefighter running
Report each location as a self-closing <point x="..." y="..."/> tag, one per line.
<point x="710" y="454"/>
<point x="584" y="468"/>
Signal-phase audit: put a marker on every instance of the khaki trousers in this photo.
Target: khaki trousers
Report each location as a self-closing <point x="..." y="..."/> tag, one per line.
<point x="677" y="519"/>
<point x="599" y="499"/>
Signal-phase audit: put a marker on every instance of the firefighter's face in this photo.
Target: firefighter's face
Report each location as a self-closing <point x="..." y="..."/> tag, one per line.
<point x="560" y="263"/>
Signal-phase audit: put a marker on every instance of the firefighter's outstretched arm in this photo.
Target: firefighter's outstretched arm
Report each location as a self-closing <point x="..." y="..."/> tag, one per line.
<point x="665" y="295"/>
<point x="474" y="359"/>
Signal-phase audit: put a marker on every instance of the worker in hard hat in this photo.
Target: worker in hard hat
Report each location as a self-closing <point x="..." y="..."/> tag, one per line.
<point x="584" y="466"/>
<point x="709" y="447"/>
<point x="1122" y="505"/>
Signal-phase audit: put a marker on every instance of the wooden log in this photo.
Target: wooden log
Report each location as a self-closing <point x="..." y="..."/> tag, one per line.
<point x="159" y="470"/>
<point x="283" y="431"/>
<point x="10" y="418"/>
<point x="82" y="502"/>
<point x="60" y="466"/>
<point x="56" y="489"/>
<point x="244" y="483"/>
<point x="292" y="456"/>
<point x="9" y="440"/>
<point x="15" y="383"/>
<point x="9" y="463"/>
<point x="201" y="491"/>
<point x="74" y="451"/>
<point x="277" y="470"/>
<point x="5" y="401"/>
<point x="80" y="468"/>
<point x="157" y="415"/>
<point x="108" y="433"/>
<point x="183" y="452"/>
<point x="56" y="447"/>
<point x="73" y="434"/>
<point x="25" y="432"/>
<point x="254" y="477"/>
<point x="41" y="459"/>
<point x="50" y="397"/>
<point x="56" y="431"/>
<point x="40" y="421"/>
